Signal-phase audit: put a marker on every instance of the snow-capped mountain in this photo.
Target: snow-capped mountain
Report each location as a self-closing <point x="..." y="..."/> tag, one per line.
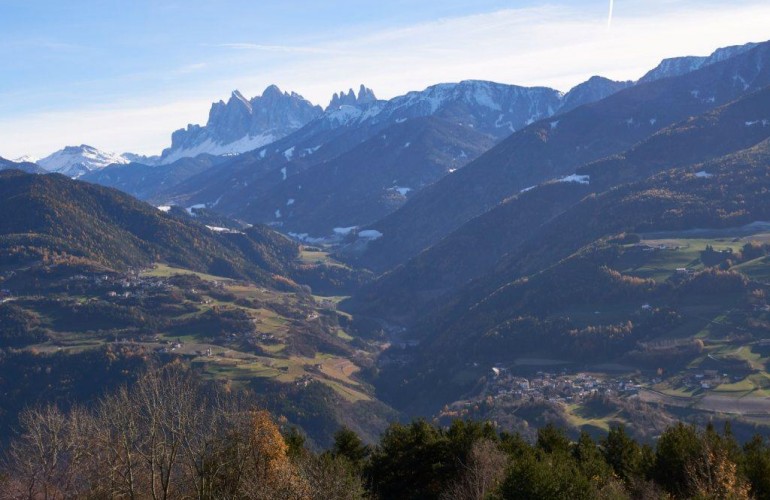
<point x="677" y="66"/>
<point x="74" y="161"/>
<point x="489" y="107"/>
<point x="241" y="124"/>
<point x="458" y="121"/>
<point x="24" y="159"/>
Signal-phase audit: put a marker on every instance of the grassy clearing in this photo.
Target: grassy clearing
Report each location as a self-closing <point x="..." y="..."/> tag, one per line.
<point x="672" y="254"/>
<point x="319" y="257"/>
<point x="344" y="335"/>
<point x="349" y="394"/>
<point x="757" y="269"/>
<point x="165" y="271"/>
<point x="582" y="416"/>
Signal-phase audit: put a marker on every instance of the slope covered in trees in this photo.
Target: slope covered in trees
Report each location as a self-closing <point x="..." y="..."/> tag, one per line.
<point x="555" y="147"/>
<point x="56" y="216"/>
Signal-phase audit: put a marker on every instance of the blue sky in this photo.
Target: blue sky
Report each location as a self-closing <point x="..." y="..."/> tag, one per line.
<point x="123" y="75"/>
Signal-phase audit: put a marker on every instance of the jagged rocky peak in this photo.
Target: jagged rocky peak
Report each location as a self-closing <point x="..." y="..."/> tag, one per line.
<point x="365" y="96"/>
<point x="242" y="124"/>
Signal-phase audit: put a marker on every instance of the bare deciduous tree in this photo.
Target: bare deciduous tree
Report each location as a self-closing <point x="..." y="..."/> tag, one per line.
<point x="169" y="436"/>
<point x="482" y="472"/>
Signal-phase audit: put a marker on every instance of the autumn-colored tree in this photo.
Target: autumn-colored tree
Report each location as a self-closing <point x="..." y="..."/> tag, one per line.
<point x="713" y="476"/>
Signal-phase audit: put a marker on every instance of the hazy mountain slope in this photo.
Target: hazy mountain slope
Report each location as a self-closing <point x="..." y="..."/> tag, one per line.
<point x="594" y="89"/>
<point x="476" y="247"/>
<point x="676" y="66"/>
<point x="24" y="166"/>
<point x="142" y="181"/>
<point x="555" y="147"/>
<point x="371" y="180"/>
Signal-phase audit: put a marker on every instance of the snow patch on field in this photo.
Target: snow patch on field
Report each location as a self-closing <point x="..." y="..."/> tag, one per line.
<point x="164" y="208"/>
<point x="400" y="190"/>
<point x="344" y="231"/>
<point x="195" y="207"/>
<point x="283" y="173"/>
<point x="306" y="238"/>
<point x="703" y="174"/>
<point x="218" y="229"/>
<point x="580" y="179"/>
<point x="370" y="234"/>
<point x="289" y="153"/>
<point x="310" y="151"/>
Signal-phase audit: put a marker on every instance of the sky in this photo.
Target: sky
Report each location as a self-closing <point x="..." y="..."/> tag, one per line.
<point x="121" y="76"/>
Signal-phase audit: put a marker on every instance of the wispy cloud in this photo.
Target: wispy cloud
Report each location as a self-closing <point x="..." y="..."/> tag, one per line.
<point x="289" y="49"/>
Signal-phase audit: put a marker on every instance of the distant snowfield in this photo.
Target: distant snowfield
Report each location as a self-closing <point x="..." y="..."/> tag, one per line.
<point x="248" y="143"/>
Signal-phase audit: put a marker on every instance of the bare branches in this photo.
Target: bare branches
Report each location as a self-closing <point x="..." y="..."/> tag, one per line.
<point x="166" y="437"/>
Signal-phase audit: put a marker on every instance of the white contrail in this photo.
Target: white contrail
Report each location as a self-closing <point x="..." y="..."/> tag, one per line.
<point x="609" y="18"/>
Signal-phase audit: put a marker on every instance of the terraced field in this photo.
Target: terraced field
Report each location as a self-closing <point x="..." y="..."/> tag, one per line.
<point x="280" y="324"/>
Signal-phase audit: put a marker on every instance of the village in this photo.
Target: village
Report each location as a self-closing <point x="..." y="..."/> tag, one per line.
<point x="561" y="387"/>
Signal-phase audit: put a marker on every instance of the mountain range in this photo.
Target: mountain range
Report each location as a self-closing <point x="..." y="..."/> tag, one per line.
<point x="366" y="148"/>
<point x="554" y="148"/>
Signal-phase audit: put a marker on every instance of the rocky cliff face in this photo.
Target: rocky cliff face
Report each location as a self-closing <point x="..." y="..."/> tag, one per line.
<point x="242" y="124"/>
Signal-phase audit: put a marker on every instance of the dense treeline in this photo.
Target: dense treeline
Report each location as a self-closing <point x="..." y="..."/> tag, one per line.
<point x="172" y="436"/>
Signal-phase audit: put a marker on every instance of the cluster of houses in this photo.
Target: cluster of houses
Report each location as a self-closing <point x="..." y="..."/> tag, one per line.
<point x="172" y="347"/>
<point x="123" y="286"/>
<point x="557" y="387"/>
<point x="642" y="247"/>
